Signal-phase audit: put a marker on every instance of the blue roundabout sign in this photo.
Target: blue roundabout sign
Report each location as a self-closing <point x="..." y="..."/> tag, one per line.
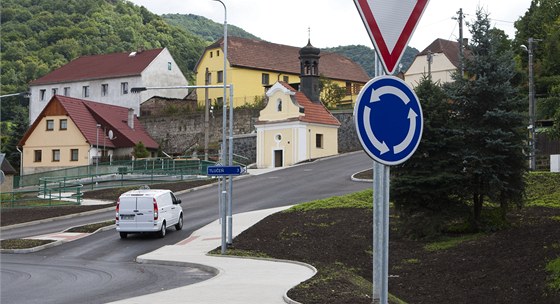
<point x="389" y="120"/>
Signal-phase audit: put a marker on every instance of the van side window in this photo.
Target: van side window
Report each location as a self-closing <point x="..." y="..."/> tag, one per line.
<point x="173" y="198"/>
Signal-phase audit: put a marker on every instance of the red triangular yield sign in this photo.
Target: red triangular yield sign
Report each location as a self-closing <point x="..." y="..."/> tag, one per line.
<point x="390" y="24"/>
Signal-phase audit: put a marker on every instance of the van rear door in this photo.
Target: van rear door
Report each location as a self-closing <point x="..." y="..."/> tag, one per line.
<point x="145" y="213"/>
<point x="127" y="213"/>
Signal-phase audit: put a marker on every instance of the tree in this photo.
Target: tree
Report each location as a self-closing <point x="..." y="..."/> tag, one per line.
<point x="427" y="188"/>
<point x="491" y="121"/>
<point x="331" y="93"/>
<point x="140" y="151"/>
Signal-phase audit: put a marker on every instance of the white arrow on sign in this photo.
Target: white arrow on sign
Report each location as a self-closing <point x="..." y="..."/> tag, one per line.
<point x="411" y="130"/>
<point x="380" y="146"/>
<point x="376" y="94"/>
<point x="390" y="24"/>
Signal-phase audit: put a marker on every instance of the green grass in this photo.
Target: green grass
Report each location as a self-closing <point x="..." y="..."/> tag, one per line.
<point x="241" y="253"/>
<point x="361" y="199"/>
<point x="543" y="189"/>
<point x="448" y="243"/>
<point x="22" y="243"/>
<point x="91" y="228"/>
<point x="553" y="267"/>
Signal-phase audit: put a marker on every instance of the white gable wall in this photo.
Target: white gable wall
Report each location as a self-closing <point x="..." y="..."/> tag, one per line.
<point x="442" y="69"/>
<point x="158" y="74"/>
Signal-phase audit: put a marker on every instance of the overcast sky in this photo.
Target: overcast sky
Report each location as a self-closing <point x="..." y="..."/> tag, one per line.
<point x="336" y="22"/>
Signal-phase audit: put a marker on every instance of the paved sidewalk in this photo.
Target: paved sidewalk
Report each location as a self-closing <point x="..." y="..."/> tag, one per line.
<point x="238" y="280"/>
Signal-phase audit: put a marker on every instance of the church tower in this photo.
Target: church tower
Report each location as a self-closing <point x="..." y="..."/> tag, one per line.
<point x="309" y="75"/>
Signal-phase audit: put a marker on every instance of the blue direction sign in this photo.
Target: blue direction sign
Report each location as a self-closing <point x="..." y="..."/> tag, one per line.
<point x="224" y="170"/>
<point x="388" y="119"/>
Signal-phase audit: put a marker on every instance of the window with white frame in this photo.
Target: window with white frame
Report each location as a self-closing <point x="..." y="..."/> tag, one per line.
<point x="85" y="91"/>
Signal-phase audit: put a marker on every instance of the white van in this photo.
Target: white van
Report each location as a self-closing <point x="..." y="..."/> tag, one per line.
<point x="148" y="210"/>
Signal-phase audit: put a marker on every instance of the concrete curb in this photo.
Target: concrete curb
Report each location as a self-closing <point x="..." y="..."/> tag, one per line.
<point x="33" y="249"/>
<point x="55" y="243"/>
<point x="212" y="270"/>
<point x="355" y="179"/>
<point x="51" y="219"/>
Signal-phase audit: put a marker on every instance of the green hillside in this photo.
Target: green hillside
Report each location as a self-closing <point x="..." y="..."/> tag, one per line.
<point x="39" y="36"/>
<point x="204" y="27"/>
<point x="365" y="56"/>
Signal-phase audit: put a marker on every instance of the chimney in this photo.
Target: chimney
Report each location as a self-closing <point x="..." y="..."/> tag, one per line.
<point x="130" y="120"/>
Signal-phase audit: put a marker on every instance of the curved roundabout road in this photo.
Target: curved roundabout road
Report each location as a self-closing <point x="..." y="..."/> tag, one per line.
<point x="101" y="268"/>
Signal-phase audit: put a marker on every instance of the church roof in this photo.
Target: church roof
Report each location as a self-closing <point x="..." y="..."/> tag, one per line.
<point x="313" y="112"/>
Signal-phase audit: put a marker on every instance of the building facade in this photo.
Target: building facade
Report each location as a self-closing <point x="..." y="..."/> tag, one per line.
<point x="109" y="79"/>
<point x="439" y="61"/>
<point x="72" y="132"/>
<point x="295" y="126"/>
<point x="253" y="66"/>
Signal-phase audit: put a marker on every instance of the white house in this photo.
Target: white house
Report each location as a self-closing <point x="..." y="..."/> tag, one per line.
<point x="440" y="60"/>
<point x="108" y="79"/>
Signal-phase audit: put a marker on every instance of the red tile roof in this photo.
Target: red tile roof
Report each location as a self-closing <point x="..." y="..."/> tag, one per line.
<point x="100" y="66"/>
<point x="449" y="48"/>
<point x="262" y="55"/>
<point x="314" y="112"/>
<point x="87" y="114"/>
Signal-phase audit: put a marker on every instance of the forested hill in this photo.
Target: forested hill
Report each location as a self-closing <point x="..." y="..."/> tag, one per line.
<point x="39" y="36"/>
<point x="205" y="28"/>
<point x="365" y="56"/>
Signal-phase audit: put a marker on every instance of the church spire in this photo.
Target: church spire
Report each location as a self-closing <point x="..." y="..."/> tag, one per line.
<point x="309" y="74"/>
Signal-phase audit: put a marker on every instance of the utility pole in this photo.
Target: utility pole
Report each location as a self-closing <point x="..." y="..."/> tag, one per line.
<point x="532" y="109"/>
<point x="430" y="58"/>
<point x="461" y="54"/>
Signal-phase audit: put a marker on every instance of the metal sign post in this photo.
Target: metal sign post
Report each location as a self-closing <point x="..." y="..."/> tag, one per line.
<point x="389" y="123"/>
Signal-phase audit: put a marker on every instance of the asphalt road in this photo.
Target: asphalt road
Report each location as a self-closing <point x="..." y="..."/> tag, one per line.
<point x="101" y="268"/>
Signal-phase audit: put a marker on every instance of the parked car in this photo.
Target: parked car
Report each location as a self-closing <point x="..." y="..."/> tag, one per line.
<point x="148" y="210"/>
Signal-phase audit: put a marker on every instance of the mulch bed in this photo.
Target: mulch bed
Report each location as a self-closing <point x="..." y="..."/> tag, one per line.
<point x="503" y="267"/>
<point x="11" y="216"/>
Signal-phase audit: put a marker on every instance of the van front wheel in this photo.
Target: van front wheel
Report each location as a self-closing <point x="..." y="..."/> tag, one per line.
<point x="179" y="224"/>
<point x="162" y="231"/>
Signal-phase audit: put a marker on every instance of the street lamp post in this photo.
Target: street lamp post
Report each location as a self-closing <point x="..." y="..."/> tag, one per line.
<point x="226" y="220"/>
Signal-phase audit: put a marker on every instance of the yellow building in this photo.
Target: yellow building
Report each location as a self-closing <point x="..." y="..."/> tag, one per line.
<point x="253" y="66"/>
<point x="71" y="132"/>
<point x="292" y="129"/>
